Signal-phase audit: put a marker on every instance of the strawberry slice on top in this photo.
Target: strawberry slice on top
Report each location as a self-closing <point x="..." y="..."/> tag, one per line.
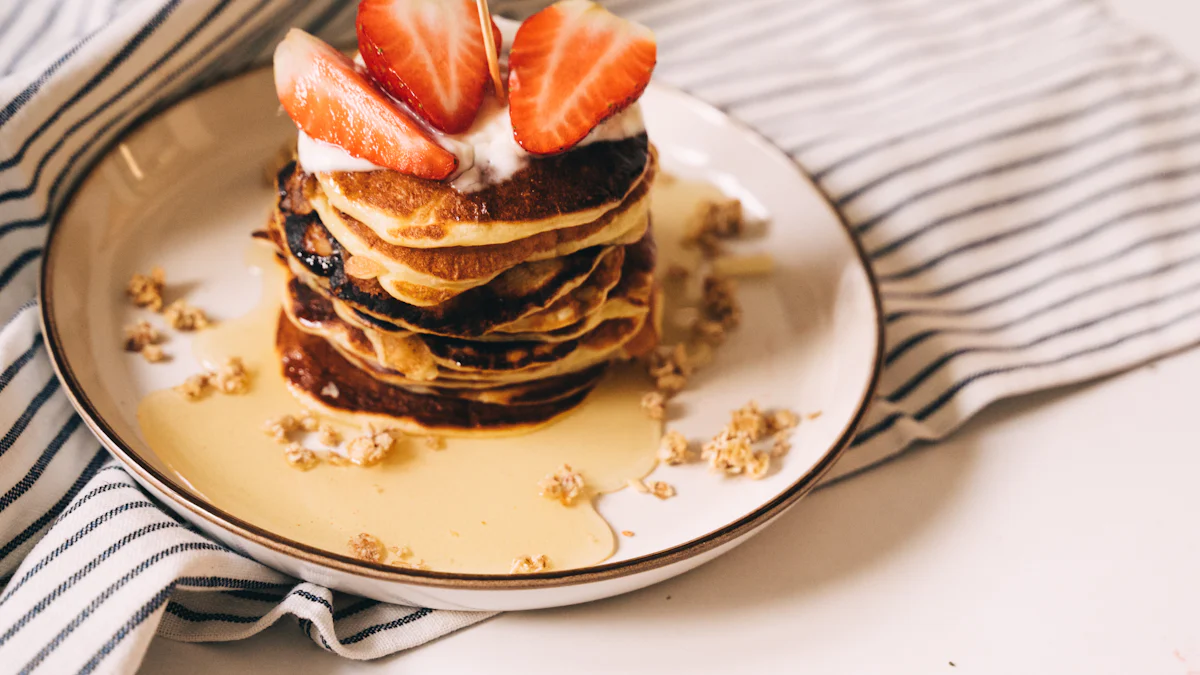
<point x="429" y="54"/>
<point x="572" y="66"/>
<point x="331" y="100"/>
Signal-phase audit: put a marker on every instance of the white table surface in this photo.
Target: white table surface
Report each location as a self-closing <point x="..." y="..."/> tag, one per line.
<point x="1054" y="534"/>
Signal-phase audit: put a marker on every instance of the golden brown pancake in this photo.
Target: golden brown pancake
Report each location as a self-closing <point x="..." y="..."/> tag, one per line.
<point x="319" y="259"/>
<point x="436" y="362"/>
<point x="310" y="364"/>
<point x="555" y="192"/>
<point x="428" y="275"/>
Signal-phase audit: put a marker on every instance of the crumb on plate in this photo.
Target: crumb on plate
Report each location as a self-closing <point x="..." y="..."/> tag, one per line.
<point x="524" y="564"/>
<point x="565" y="485"/>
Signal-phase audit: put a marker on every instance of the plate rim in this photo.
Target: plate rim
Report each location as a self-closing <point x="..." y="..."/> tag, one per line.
<point x="178" y="498"/>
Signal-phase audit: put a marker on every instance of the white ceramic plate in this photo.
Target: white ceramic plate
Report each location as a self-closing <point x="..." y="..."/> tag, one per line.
<point x="185" y="190"/>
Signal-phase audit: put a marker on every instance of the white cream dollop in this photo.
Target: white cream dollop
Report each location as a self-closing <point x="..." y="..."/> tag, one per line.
<point x="487" y="152"/>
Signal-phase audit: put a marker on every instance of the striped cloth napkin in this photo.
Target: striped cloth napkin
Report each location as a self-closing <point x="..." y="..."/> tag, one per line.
<point x="1024" y="174"/>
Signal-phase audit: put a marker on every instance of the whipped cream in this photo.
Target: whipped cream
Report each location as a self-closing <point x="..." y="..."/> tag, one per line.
<point x="487" y="152"/>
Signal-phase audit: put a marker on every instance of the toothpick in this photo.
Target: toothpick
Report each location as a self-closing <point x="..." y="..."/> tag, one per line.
<point x="489" y="46"/>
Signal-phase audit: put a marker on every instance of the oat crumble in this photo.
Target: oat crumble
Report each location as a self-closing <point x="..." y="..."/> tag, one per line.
<point x="308" y="421"/>
<point x="182" y="316"/>
<point x="370" y="448"/>
<point x="733" y="454"/>
<point x="524" y="564"/>
<point x="750" y="422"/>
<point x="153" y="353"/>
<point x="781" y="443"/>
<point x="232" y="378"/>
<point x="195" y="387"/>
<point x="146" y="290"/>
<point x="327" y="435"/>
<point x="278" y="428"/>
<point x="565" y="484"/>
<point x="661" y="489"/>
<point x="627" y="533"/>
<point x="141" y="335"/>
<point x="673" y="449"/>
<point x="783" y="420"/>
<point x="300" y="457"/>
<point x="654" y="404"/>
<point x="720" y="301"/>
<point x="330" y="390"/>
<point x="367" y="547"/>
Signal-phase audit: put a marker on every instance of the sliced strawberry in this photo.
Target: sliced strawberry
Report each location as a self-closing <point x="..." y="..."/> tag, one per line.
<point x="572" y="66"/>
<point x="429" y="54"/>
<point x="331" y="100"/>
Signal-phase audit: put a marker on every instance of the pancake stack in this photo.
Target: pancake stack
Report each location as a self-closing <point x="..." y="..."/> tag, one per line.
<point x="449" y="312"/>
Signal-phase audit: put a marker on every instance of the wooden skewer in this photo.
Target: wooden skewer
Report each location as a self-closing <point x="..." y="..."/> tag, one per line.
<point x="489" y="46"/>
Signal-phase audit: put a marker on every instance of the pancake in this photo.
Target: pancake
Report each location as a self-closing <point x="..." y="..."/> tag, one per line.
<point x="630" y="293"/>
<point x="310" y="365"/>
<point x="408" y="273"/>
<point x="436" y="362"/>
<point x="319" y="260"/>
<point x="550" y="193"/>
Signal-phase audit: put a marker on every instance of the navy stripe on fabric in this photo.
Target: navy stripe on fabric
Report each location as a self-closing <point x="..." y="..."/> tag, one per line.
<point x="360" y="606"/>
<point x="1059" y="275"/>
<point x="79" y="574"/>
<point x="100" y="109"/>
<point x="993" y="107"/>
<point x="1089" y="141"/>
<point x="75" y="538"/>
<point x="146" y="611"/>
<point x="917" y="338"/>
<point x="42" y="521"/>
<point x="115" y="62"/>
<point x="881" y="63"/>
<point x="255" y="596"/>
<point x="21" y="262"/>
<point x="98" y="135"/>
<point x="949" y="394"/>
<point x="903" y="390"/>
<point x="19" y="101"/>
<point x="39" y="467"/>
<point x="39" y="400"/>
<point x="388" y="625"/>
<point x="1041" y="123"/>
<point x="192" y="615"/>
<point x="1057" y="246"/>
<point x="108" y="592"/>
<point x="20" y="362"/>
<point x="35" y="36"/>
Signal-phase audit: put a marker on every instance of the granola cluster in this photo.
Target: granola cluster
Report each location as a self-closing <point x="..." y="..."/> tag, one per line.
<point x="658" y="488"/>
<point x="565" y="485"/>
<point x="524" y="564"/>
<point x="146" y="290"/>
<point x="182" y="316"/>
<point x="735" y="450"/>
<point x="366" y="449"/>
<point x="673" y="449"/>
<point x="370" y="548"/>
<point x="367" y="547"/>
<point x="143" y="338"/>
<point x="370" y="448"/>
<point x="233" y="378"/>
